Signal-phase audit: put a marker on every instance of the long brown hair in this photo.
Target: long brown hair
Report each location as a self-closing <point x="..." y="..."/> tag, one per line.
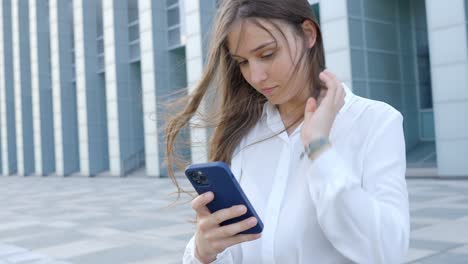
<point x="241" y="105"/>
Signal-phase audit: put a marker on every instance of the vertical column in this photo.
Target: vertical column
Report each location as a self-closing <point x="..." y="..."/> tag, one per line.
<point x="90" y="96"/>
<point x="22" y="82"/>
<point x="116" y="52"/>
<point x="448" y="48"/>
<point x="7" y="104"/>
<point x="334" y="25"/>
<point x="1" y="142"/>
<point x="1" y="160"/>
<point x="41" y="87"/>
<point x="63" y="90"/>
<point x="198" y="18"/>
<point x="150" y="51"/>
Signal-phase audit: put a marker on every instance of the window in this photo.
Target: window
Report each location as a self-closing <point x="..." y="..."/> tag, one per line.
<point x="174" y="23"/>
<point x="133" y="31"/>
<point x="316" y="9"/>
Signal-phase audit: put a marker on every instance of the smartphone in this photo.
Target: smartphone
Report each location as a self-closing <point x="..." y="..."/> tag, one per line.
<point x="218" y="178"/>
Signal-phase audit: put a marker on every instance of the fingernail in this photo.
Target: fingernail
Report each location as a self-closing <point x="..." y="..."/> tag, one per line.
<point x="240" y="208"/>
<point x="252" y="221"/>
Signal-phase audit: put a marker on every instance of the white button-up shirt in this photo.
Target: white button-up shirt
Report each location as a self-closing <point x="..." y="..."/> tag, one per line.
<point x="349" y="205"/>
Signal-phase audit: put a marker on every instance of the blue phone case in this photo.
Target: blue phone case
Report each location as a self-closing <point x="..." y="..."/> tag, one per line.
<point x="226" y="189"/>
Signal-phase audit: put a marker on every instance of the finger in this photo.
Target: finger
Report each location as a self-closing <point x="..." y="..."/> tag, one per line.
<point x="336" y="82"/>
<point x="311" y="106"/>
<point x="225" y="214"/>
<point x="340" y="95"/>
<point x="240" y="239"/>
<point x="331" y="85"/>
<point x="200" y="202"/>
<point x="338" y="85"/>
<point x="331" y="74"/>
<point x="233" y="229"/>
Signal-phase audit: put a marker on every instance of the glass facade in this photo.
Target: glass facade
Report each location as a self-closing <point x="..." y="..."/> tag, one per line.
<point x="388" y="49"/>
<point x="390" y="60"/>
<point x="174" y="27"/>
<point x="133" y="30"/>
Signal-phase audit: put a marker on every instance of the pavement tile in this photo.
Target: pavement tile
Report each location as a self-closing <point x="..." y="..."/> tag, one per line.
<point x="11" y="254"/>
<point x="462" y="250"/>
<point x="30" y="230"/>
<point x="454" y="231"/>
<point x="100" y="231"/>
<point x="26" y="257"/>
<point x="129" y="220"/>
<point x="415" y="225"/>
<point x="433" y="245"/>
<point x="7" y="250"/>
<point x="51" y="239"/>
<point x="446" y="257"/>
<point x="74" y="249"/>
<point x="122" y="255"/>
<point x="439" y="212"/>
<point x="17" y="224"/>
<point x="415" y="254"/>
<point x="166" y="259"/>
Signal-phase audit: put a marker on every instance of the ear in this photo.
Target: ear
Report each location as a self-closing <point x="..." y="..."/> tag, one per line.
<point x="310" y="32"/>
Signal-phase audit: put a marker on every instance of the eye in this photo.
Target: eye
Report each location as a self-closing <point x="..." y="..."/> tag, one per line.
<point x="242" y="63"/>
<point x="267" y="55"/>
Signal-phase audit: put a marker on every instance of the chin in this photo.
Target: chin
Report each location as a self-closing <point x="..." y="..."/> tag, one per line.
<point x="274" y="100"/>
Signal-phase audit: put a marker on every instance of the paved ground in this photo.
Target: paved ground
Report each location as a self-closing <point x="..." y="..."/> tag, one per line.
<point x="104" y="220"/>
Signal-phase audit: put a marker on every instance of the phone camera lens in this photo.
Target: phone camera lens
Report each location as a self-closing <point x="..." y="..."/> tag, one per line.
<point x="198" y="177"/>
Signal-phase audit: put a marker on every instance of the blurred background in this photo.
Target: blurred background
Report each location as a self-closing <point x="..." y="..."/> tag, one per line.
<point x="82" y="82"/>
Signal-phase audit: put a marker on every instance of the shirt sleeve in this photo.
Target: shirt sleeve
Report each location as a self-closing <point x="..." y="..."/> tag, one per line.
<point x="365" y="217"/>
<point x="224" y="257"/>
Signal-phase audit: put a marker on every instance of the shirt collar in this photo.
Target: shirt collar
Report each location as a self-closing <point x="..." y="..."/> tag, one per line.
<point x="272" y="117"/>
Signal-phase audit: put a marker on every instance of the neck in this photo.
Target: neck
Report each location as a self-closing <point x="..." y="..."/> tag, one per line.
<point x="293" y="110"/>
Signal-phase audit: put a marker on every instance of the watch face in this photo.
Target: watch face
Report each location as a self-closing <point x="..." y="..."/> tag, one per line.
<point x="315" y="145"/>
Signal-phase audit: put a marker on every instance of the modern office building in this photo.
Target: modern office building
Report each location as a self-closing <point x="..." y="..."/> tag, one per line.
<point x="83" y="83"/>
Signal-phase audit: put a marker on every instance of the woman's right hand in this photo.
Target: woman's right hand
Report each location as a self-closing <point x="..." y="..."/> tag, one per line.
<point x="211" y="238"/>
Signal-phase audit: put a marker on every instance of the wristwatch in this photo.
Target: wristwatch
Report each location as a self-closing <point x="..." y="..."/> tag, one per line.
<point x="314" y="146"/>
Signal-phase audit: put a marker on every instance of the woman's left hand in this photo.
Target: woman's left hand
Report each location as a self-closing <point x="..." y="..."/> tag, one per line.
<point x="318" y="120"/>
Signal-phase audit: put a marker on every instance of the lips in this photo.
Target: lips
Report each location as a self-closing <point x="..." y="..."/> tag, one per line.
<point x="268" y="90"/>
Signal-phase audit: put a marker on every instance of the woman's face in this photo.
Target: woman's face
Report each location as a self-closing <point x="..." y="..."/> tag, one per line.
<point x="268" y="63"/>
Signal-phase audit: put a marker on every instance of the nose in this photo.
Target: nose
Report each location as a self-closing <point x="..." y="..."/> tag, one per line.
<point x="258" y="73"/>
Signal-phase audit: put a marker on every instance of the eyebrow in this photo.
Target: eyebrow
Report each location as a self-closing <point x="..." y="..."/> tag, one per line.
<point x="257" y="48"/>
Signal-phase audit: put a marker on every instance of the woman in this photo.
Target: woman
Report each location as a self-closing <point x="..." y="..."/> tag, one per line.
<point x="324" y="169"/>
